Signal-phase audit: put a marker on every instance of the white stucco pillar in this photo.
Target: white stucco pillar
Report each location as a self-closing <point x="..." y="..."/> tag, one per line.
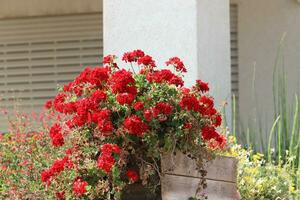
<point x="197" y="31"/>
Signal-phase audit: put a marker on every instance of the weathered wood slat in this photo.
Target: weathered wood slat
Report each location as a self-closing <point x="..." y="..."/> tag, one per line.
<point x="181" y="188"/>
<point x="221" y="168"/>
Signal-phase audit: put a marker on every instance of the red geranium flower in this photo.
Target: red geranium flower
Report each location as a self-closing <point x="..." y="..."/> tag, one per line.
<point x="138" y="106"/>
<point x="201" y="86"/>
<point x="132" y="176"/>
<point x="135" y="125"/>
<point x="177" y="63"/>
<point x="79" y="187"/>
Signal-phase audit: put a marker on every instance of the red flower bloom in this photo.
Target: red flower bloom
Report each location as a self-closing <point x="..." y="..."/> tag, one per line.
<point x="138" y="106"/>
<point x="110" y="148"/>
<point x="59" y="102"/>
<point x="132" y="176"/>
<point x="57" y="167"/>
<point x="133" y="56"/>
<point x="146" y="60"/>
<point x="207" y="106"/>
<point x="110" y="60"/>
<point x="125" y="98"/>
<point x="56" y="136"/>
<point x="201" y="86"/>
<point x="98" y="96"/>
<point x="177" y="63"/>
<point x="148" y="115"/>
<point x="46" y="175"/>
<point x="164" y="108"/>
<point x="106" y="161"/>
<point x="48" y="104"/>
<point x="219" y="142"/>
<point x="218" y="120"/>
<point x="189" y="102"/>
<point x="121" y="80"/>
<point x="69" y="108"/>
<point x="209" y="132"/>
<point x="98" y="76"/>
<point x="60" y="196"/>
<point x="176" y="80"/>
<point x="135" y="126"/>
<point x="164" y="76"/>
<point x="187" y="125"/>
<point x="79" y="187"/>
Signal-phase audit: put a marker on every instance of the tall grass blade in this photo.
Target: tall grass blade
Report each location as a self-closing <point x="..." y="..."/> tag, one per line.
<point x="279" y="141"/>
<point x="295" y="121"/>
<point x="270" y="138"/>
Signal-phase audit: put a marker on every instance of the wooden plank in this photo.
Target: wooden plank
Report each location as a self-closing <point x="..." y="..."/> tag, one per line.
<point x="221" y="168"/>
<point x="181" y="188"/>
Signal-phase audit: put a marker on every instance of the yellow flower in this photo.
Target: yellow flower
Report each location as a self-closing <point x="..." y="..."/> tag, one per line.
<point x="257" y="157"/>
<point x="291" y="188"/>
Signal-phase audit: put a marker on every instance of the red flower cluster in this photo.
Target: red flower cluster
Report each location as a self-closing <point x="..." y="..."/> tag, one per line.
<point x="79" y="187"/>
<point x="135" y="126"/>
<point x="56" y="135"/>
<point x="110" y="61"/>
<point x="150" y="114"/>
<point x="138" y="106"/>
<point x="177" y="63"/>
<point x="133" y="56"/>
<point x="164" y="108"/>
<point x="201" y="86"/>
<point x="165" y="76"/>
<point x="132" y="176"/>
<point x="106" y="160"/>
<point x="122" y="84"/>
<point x="57" y="167"/>
<point x="60" y="196"/>
<point x="147" y="61"/>
<point x="190" y="102"/>
<point x="209" y="133"/>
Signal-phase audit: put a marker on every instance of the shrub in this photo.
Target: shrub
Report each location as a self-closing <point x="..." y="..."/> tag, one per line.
<point x="22" y="157"/>
<point x="116" y="124"/>
<point x="260" y="179"/>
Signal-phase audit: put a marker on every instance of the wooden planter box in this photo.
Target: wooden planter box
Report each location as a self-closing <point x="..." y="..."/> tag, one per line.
<point x="182" y="181"/>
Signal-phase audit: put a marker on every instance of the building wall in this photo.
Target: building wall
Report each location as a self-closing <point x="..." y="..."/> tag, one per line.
<point x="29" y="8"/>
<point x="261" y="25"/>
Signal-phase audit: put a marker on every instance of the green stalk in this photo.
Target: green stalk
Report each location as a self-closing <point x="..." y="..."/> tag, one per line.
<point x="298" y="149"/>
<point x="248" y="137"/>
<point x="295" y="121"/>
<point x="270" y="138"/>
<point x="279" y="142"/>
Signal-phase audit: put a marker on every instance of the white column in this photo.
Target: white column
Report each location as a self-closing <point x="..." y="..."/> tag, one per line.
<point x="197" y="31"/>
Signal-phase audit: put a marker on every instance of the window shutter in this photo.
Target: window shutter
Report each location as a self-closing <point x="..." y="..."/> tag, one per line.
<point x="234" y="50"/>
<point x="39" y="53"/>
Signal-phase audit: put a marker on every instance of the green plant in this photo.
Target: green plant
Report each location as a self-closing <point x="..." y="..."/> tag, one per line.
<point x="117" y="124"/>
<point x="280" y="143"/>
<point x="259" y="179"/>
<point x="22" y="157"/>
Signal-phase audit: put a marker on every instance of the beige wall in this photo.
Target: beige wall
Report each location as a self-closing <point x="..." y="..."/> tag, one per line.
<point x="261" y="25"/>
<point x="28" y="8"/>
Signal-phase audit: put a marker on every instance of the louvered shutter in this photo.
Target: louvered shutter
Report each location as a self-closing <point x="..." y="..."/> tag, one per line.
<point x="39" y="53"/>
<point x="234" y="61"/>
<point x="234" y="50"/>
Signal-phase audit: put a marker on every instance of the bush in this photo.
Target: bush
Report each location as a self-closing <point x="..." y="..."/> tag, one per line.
<point x="22" y="157"/>
<point x="114" y="125"/>
<point x="260" y="179"/>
